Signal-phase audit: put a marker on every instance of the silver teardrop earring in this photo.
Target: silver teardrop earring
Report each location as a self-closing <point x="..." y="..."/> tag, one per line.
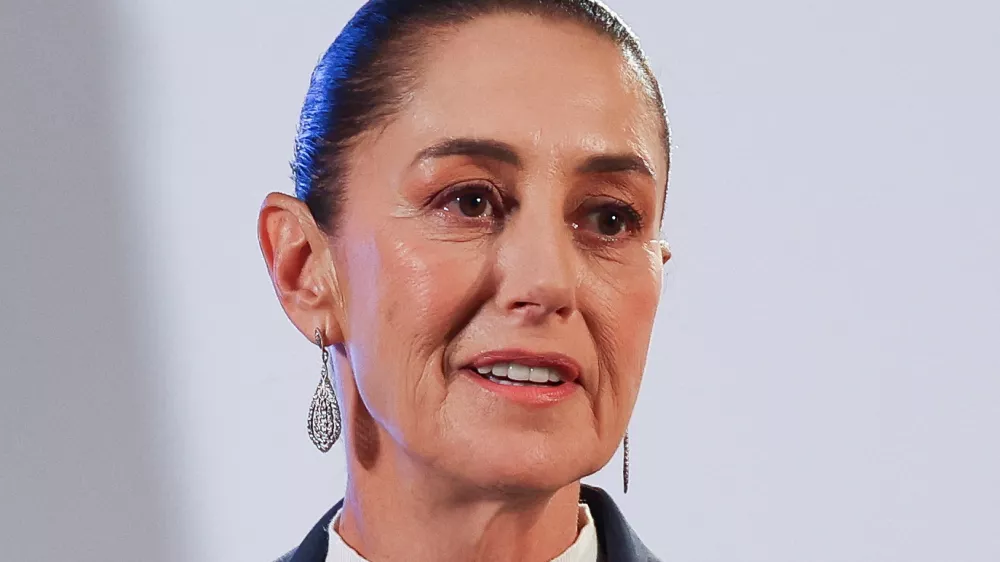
<point x="625" y="462"/>
<point x="324" y="411"/>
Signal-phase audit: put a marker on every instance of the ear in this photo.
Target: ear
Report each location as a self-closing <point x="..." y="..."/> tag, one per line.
<point x="298" y="258"/>
<point x="665" y="251"/>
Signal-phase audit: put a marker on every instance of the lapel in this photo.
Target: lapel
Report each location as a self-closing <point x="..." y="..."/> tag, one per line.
<point x="619" y="543"/>
<point x="313" y="547"/>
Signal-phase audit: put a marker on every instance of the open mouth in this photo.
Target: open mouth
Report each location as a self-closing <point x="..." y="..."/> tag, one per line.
<point x="514" y="374"/>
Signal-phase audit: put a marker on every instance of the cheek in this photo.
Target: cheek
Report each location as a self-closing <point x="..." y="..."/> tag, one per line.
<point x="422" y="288"/>
<point x="627" y="299"/>
<point x="404" y="297"/>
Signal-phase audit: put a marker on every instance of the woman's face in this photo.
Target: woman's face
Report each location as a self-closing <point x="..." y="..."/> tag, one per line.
<point x="506" y="222"/>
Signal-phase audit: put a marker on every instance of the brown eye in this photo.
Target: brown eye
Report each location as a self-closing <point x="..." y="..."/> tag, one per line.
<point x="473" y="204"/>
<point x="609" y="222"/>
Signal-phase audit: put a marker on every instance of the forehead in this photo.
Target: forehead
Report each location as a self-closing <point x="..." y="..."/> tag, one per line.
<point x="548" y="87"/>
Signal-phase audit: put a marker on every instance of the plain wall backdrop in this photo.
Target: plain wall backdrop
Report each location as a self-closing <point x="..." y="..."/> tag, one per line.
<point x="824" y="378"/>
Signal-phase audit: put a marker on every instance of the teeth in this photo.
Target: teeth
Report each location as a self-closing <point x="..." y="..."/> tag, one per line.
<point x="508" y="372"/>
<point x="539" y="374"/>
<point x="520" y="373"/>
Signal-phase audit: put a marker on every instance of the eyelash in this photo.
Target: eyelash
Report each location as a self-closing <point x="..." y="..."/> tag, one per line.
<point x="501" y="206"/>
<point x="496" y="200"/>
<point x="634" y="222"/>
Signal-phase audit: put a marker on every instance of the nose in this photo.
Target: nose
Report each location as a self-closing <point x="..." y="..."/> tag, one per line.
<point x="537" y="267"/>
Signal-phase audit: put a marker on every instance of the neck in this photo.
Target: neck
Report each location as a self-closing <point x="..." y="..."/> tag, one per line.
<point x="396" y="509"/>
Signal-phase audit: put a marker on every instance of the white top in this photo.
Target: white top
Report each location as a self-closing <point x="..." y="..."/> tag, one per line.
<point x="584" y="549"/>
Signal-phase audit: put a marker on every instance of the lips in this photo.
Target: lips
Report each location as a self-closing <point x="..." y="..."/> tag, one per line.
<point x="518" y="365"/>
<point x="516" y="373"/>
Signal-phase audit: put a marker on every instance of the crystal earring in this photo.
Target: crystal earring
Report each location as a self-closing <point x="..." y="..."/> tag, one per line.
<point x="625" y="463"/>
<point x="324" y="411"/>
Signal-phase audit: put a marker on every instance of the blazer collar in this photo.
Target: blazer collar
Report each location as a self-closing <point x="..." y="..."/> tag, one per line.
<point x="619" y="543"/>
<point x="313" y="547"/>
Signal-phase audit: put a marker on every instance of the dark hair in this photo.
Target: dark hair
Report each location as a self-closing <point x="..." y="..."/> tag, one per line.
<point x="364" y="77"/>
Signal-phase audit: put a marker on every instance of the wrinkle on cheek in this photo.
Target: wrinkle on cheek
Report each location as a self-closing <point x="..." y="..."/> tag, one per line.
<point x="655" y="262"/>
<point x="413" y="300"/>
<point x="617" y="292"/>
<point x="606" y="403"/>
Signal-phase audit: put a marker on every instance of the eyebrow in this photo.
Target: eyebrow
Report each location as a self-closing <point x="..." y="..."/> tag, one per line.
<point x="615" y="163"/>
<point x="494" y="150"/>
<point x="503" y="152"/>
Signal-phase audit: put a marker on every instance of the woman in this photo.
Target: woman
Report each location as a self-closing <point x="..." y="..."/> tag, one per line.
<point x="475" y="242"/>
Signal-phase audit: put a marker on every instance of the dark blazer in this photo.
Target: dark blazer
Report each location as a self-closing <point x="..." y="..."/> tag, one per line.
<point x="618" y="541"/>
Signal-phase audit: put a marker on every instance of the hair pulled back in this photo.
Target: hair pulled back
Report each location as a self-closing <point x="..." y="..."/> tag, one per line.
<point x="366" y="75"/>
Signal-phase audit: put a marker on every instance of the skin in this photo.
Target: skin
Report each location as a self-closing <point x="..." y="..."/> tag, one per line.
<point x="409" y="288"/>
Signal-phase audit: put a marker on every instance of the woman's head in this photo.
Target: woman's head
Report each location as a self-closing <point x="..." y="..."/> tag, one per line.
<point x="484" y="182"/>
<point x="365" y="77"/>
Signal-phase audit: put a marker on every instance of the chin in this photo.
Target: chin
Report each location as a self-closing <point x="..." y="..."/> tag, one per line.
<point x="526" y="463"/>
<point x="514" y="481"/>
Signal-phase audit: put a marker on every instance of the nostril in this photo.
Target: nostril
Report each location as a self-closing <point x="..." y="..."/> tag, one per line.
<point x="535" y="298"/>
<point x="539" y="310"/>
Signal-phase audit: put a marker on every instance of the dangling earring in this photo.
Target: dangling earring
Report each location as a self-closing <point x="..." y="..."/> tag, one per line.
<point x="324" y="411"/>
<point x="625" y="462"/>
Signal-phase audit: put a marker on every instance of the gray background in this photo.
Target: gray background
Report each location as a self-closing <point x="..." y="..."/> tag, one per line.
<point x="823" y="382"/>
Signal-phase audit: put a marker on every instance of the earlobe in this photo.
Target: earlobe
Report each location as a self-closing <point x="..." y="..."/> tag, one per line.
<point x="297" y="254"/>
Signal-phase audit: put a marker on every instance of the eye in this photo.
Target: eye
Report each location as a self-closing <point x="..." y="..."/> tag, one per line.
<point x="472" y="204"/>
<point x="472" y="201"/>
<point x="611" y="220"/>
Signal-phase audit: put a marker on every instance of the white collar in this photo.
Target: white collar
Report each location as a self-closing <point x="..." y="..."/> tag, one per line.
<point x="584" y="549"/>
